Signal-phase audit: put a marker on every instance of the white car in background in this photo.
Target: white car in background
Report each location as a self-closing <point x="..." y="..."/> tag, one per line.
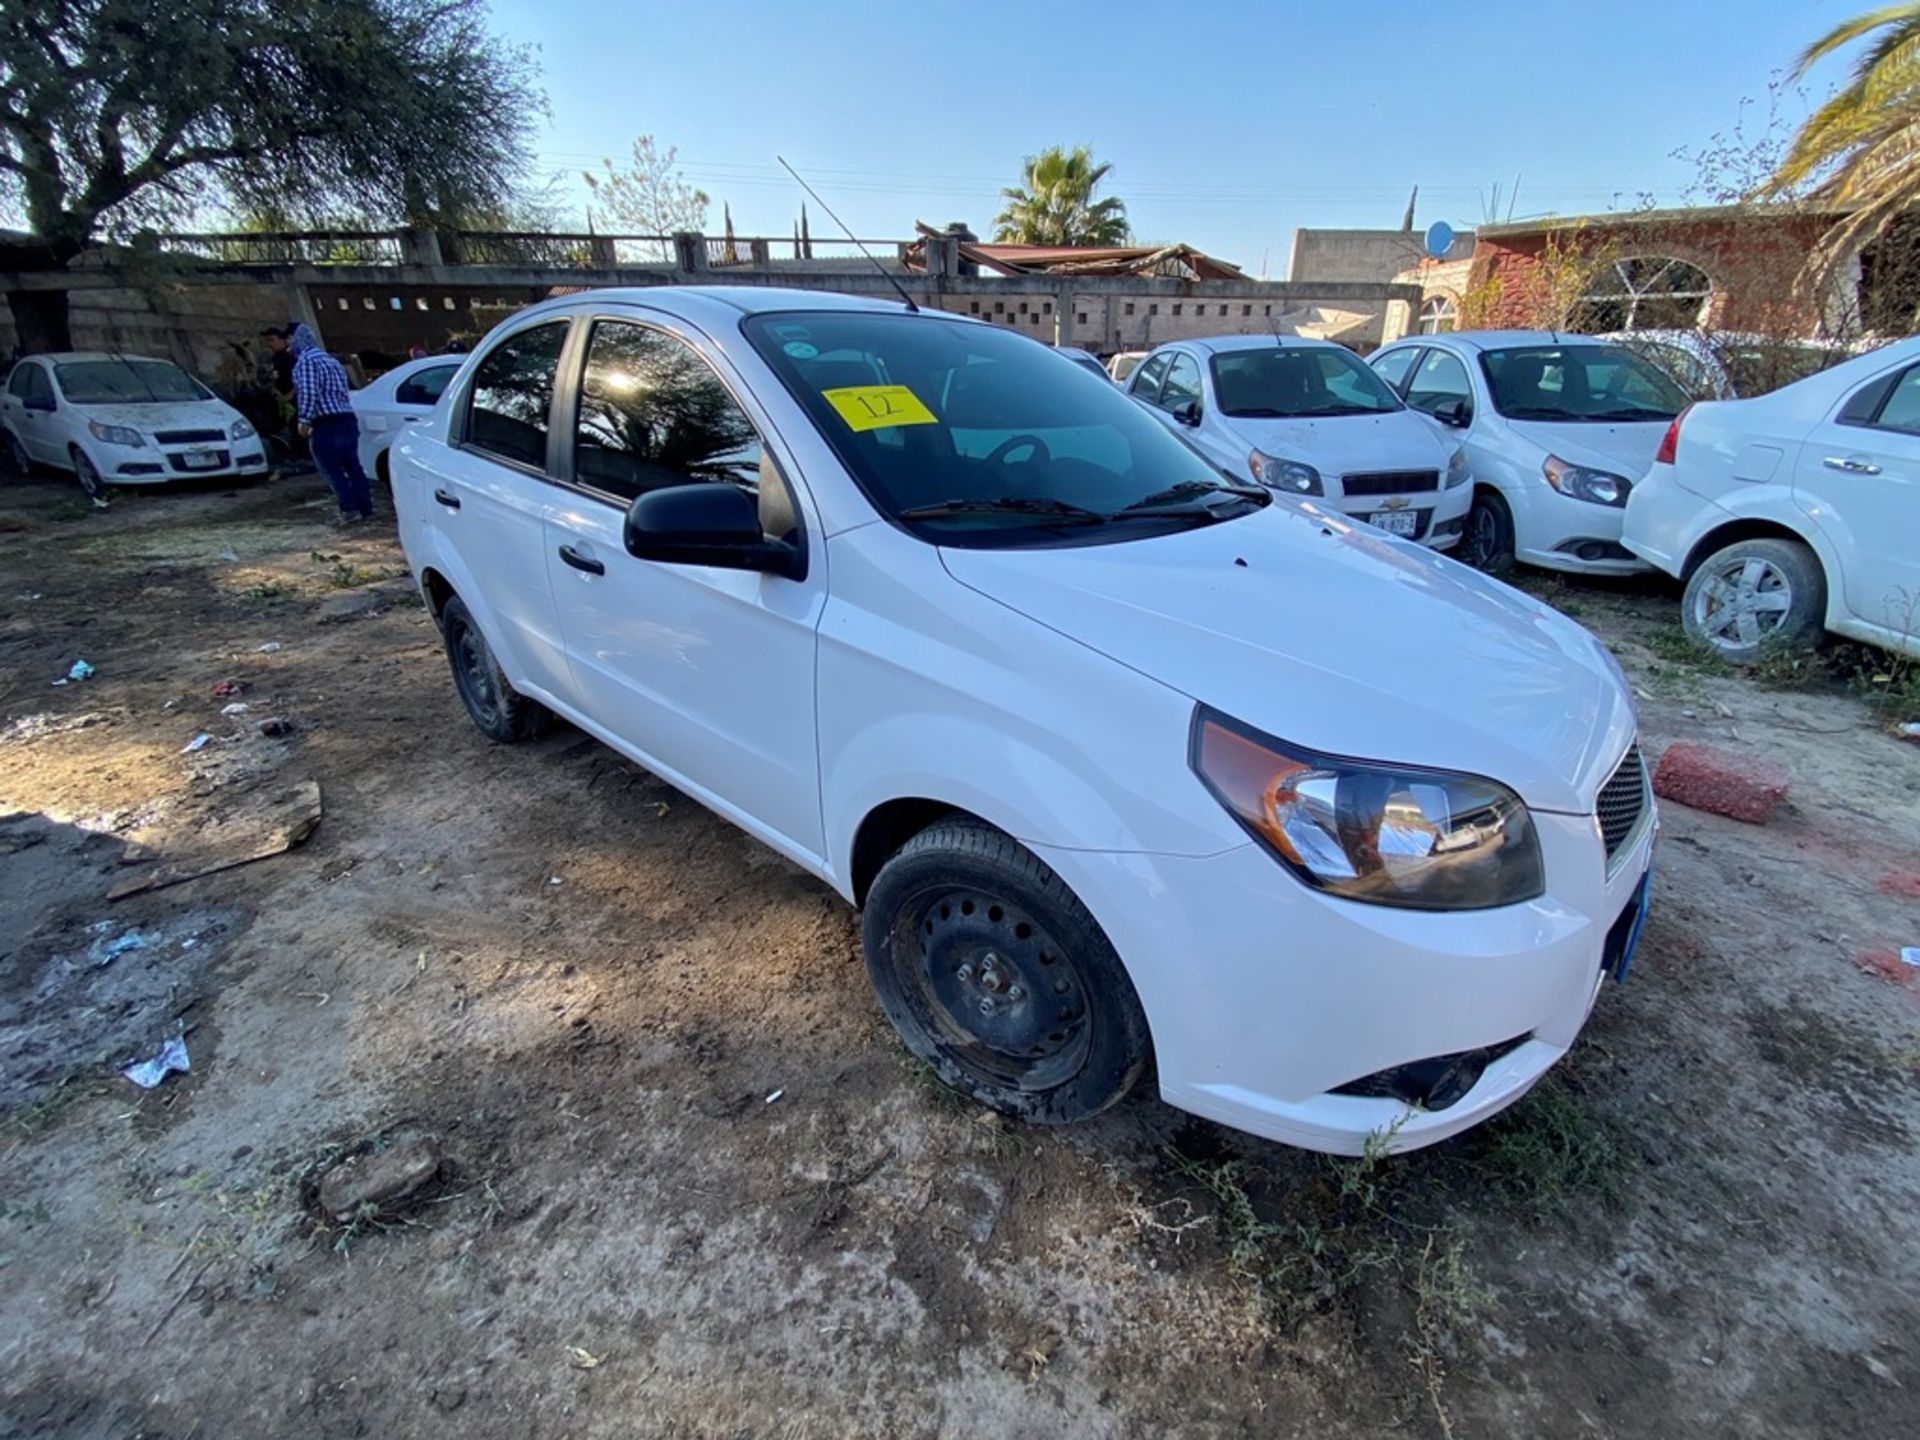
<point x="122" y="420"/>
<point x="1085" y="359"/>
<point x="1308" y="418"/>
<point x="1794" y="512"/>
<point x="1729" y="366"/>
<point x="1557" y="428"/>
<point x="1124" y="364"/>
<point x="403" y="396"/>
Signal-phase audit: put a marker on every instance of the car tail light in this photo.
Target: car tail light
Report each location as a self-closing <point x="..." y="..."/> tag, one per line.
<point x="1670" y="442"/>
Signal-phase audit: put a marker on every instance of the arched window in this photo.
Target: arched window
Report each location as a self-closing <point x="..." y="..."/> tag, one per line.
<point x="1645" y="292"/>
<point x="1438" y="313"/>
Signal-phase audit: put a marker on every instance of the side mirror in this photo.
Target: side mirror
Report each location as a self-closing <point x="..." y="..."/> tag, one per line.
<point x="1454" y="413"/>
<point x="1187" y="412"/>
<point x="716" y="525"/>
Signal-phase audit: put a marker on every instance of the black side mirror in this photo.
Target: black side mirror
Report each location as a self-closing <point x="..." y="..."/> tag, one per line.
<point x="714" y="524"/>
<point x="1455" y="413"/>
<point x="1187" y="412"/>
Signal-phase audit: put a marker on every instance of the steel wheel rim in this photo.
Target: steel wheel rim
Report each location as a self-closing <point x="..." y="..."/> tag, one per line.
<point x="1742" y="603"/>
<point x="474" y="674"/>
<point x="1483" y="532"/>
<point x="1007" y="1002"/>
<point x="88" y="476"/>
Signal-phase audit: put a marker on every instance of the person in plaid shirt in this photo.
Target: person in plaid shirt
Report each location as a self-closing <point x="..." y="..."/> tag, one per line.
<point x="327" y="420"/>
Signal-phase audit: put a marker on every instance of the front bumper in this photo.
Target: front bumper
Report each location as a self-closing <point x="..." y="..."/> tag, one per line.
<point x="1549" y="528"/>
<point x="1438" y="516"/>
<point x="147" y="466"/>
<point x="1264" y="998"/>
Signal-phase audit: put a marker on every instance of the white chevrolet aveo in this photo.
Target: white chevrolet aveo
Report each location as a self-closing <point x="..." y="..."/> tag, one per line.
<point x="1124" y="762"/>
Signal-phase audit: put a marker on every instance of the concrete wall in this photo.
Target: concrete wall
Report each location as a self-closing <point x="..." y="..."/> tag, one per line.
<point x="1362" y="255"/>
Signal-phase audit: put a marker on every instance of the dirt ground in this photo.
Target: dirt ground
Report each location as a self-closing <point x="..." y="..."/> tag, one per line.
<point x="693" y="1188"/>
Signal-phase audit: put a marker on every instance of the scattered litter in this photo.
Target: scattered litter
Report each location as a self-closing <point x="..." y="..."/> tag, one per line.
<point x="1721" y="709"/>
<point x="1910" y="730"/>
<point x="30" y="596"/>
<point x="1910" y="955"/>
<point x="79" y="670"/>
<point x="237" y="707"/>
<point x="1687" y="714"/>
<point x="104" y="952"/>
<point x="775" y="1095"/>
<point x="274" y="726"/>
<point x="583" y="1359"/>
<point x="189" y="942"/>
<point x="199" y="742"/>
<point x="227" y="689"/>
<point x="231" y="557"/>
<point x="553" y="880"/>
<point x="268" y="648"/>
<point x="149" y="1073"/>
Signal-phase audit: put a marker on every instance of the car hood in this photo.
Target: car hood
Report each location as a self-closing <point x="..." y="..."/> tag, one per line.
<point x="1624" y="449"/>
<point x="170" y="415"/>
<point x="1348" y="444"/>
<point x="1332" y="636"/>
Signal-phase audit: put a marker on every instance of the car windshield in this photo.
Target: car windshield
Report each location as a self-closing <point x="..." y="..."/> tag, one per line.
<point x="127" y="382"/>
<point x="984" y="436"/>
<point x="1297" y="382"/>
<point x="1580" y="383"/>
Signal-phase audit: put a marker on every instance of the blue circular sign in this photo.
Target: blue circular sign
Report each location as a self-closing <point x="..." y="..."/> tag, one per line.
<point x="1439" y="239"/>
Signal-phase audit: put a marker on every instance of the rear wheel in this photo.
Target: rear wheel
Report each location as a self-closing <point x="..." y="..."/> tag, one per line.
<point x="1487" y="542"/>
<point x="498" y="711"/>
<point x="18" y="462"/>
<point x="89" y="476"/>
<point x="1755" y="596"/>
<point x="997" y="976"/>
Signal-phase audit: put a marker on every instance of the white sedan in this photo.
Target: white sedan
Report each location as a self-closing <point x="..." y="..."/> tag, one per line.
<point x="1308" y="418"/>
<point x="1794" y="512"/>
<point x="404" y="396"/>
<point x="121" y="420"/>
<point x="1556" y="430"/>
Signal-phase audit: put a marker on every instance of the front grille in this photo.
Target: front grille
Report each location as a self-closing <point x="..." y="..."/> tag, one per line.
<point x="1391" y="482"/>
<point x="189" y="437"/>
<point x="179" y="463"/>
<point x="1623" y="800"/>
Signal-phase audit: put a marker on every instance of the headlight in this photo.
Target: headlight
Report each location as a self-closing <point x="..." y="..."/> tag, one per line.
<point x="1383" y="834"/>
<point x="1599" y="487"/>
<point x="116" y="434"/>
<point x="1294" y="477"/>
<point x="241" y="430"/>
<point x="1457" y="468"/>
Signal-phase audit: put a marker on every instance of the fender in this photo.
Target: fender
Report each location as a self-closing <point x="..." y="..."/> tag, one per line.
<point x="1770" y="505"/>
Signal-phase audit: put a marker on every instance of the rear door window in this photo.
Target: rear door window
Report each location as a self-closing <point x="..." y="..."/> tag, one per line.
<point x="510" y="406"/>
<point x="425" y="387"/>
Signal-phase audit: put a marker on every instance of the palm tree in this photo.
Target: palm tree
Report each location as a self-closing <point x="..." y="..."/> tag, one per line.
<point x="1861" y="149"/>
<point x="1055" y="204"/>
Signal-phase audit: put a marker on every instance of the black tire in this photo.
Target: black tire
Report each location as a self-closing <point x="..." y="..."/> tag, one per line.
<point x="1755" y="597"/>
<point x="996" y="975"/>
<point x="89" y="476"/>
<point x="498" y="711"/>
<point x="1486" y="542"/>
<point x="14" y="455"/>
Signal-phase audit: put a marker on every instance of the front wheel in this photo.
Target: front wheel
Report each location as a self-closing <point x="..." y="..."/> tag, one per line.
<point x="89" y="476"/>
<point x="1487" y="540"/>
<point x="19" y="463"/>
<point x="997" y="976"/>
<point x="1755" y="596"/>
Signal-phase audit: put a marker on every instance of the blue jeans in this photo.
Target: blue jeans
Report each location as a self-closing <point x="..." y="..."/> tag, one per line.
<point x="336" y="450"/>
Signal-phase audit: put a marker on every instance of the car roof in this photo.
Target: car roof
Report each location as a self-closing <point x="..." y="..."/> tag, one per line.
<point x="61" y="357"/>
<point x="1501" y="339"/>
<point x="1217" y="344"/>
<point x="692" y="300"/>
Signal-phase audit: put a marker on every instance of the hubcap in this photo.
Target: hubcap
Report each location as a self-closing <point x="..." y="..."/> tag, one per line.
<point x="88" y="476"/>
<point x="1007" y="1001"/>
<point x="1742" y="603"/>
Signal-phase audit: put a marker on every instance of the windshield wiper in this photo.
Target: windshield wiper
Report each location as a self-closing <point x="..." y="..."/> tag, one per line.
<point x="1058" y="511"/>
<point x="1636" y="413"/>
<point x="1169" y="500"/>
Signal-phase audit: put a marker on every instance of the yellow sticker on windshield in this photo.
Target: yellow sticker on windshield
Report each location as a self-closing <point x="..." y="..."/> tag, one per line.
<point x="878" y="407"/>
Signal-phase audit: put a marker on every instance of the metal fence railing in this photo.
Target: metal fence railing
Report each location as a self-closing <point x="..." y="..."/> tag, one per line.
<point x="502" y="249"/>
<point x="292" y="247"/>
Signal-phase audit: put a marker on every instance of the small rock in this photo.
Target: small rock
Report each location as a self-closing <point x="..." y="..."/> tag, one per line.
<point x="380" y="1178"/>
<point x="1721" y="782"/>
<point x="352" y="606"/>
<point x="274" y="726"/>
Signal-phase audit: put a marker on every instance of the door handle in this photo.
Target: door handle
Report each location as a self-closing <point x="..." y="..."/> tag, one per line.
<point x="581" y="562"/>
<point x="409" y="419"/>
<point x="452" y="502"/>
<point x="1851" y="464"/>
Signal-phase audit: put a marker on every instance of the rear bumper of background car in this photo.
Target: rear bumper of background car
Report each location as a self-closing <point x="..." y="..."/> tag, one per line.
<point x="1271" y="1004"/>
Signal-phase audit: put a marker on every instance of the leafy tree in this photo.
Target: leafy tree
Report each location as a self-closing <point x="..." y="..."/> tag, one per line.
<point x="122" y="114"/>
<point x="1054" y="203"/>
<point x="1862" y="148"/>
<point x="649" y="197"/>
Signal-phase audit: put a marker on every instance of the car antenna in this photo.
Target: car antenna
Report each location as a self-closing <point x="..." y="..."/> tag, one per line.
<point x="888" y="275"/>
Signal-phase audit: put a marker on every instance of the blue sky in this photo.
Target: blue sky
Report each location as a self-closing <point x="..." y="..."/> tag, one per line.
<point x="1227" y="125"/>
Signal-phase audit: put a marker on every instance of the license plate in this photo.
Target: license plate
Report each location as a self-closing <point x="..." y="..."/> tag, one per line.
<point x="1639" y="924"/>
<point x="201" y="459"/>
<point x="1396" y="522"/>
